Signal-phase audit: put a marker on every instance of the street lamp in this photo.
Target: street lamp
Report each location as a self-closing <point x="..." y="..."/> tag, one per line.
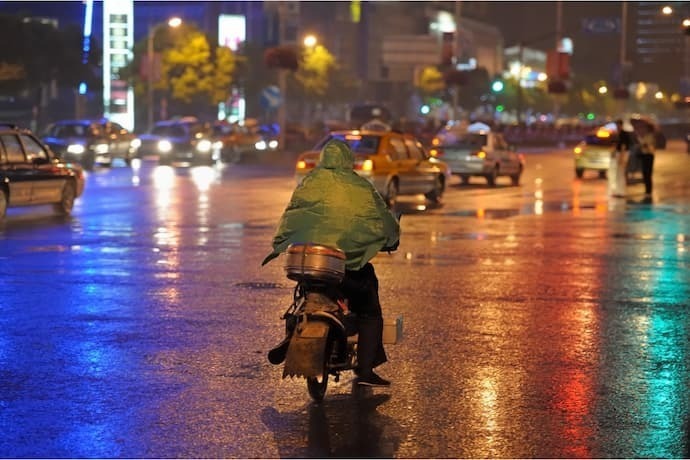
<point x="310" y="41"/>
<point x="172" y="22"/>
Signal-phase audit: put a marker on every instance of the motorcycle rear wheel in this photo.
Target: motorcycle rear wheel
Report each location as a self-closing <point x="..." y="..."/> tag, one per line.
<point x="317" y="385"/>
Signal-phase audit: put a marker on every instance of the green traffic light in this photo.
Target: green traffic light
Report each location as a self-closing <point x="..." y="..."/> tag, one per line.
<point x="500" y="108"/>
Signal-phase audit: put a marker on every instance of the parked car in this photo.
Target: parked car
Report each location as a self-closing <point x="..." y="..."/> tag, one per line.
<point x="183" y="140"/>
<point x="31" y="174"/>
<point x="396" y="163"/>
<point x="90" y="142"/>
<point x="594" y="153"/>
<point x="475" y="150"/>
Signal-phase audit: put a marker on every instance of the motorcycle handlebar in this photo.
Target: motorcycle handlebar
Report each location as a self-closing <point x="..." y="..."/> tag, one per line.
<point x="391" y="248"/>
<point x="394" y="247"/>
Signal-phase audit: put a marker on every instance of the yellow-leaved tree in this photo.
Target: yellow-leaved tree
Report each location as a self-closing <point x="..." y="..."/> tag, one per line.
<point x="430" y="81"/>
<point x="190" y="76"/>
<point x="314" y="72"/>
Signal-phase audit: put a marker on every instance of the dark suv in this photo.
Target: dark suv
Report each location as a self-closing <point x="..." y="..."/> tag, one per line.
<point x="31" y="174"/>
<point x="90" y="142"/>
<point x="184" y="140"/>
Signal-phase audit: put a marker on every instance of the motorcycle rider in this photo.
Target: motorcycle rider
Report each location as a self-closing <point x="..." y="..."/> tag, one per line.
<point x="334" y="206"/>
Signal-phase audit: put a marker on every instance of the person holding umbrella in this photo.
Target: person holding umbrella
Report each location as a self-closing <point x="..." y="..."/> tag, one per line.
<point x="647" y="144"/>
<point x="619" y="161"/>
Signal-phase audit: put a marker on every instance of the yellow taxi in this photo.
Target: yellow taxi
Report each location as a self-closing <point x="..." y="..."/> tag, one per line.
<point x="594" y="151"/>
<point x="395" y="163"/>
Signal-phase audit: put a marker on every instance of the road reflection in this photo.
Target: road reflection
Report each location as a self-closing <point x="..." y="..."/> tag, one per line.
<point x="342" y="426"/>
<point x="646" y="352"/>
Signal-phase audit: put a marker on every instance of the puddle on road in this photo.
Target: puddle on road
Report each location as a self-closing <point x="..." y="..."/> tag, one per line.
<point x="483" y="213"/>
<point x="50" y="248"/>
<point x="254" y="285"/>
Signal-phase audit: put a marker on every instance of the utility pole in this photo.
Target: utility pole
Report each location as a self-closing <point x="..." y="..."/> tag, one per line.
<point x="457" y="48"/>
<point x="149" y="76"/>
<point x="282" y="79"/>
<point x="623" y="57"/>
<point x="559" y="36"/>
<point x="521" y="58"/>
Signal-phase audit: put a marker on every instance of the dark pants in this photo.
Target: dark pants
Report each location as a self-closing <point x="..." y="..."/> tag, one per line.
<point x="647" y="168"/>
<point x="361" y="288"/>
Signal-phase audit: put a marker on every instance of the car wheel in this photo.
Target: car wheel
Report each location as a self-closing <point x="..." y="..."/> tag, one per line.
<point x="391" y="193"/>
<point x="69" y="193"/>
<point x="492" y="176"/>
<point x="232" y="155"/>
<point x="3" y="204"/>
<point x="464" y="179"/>
<point x="437" y="192"/>
<point x="579" y="172"/>
<point x="88" y="163"/>
<point x="515" y="178"/>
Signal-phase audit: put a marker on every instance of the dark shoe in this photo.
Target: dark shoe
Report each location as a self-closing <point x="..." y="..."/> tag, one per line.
<point x="277" y="354"/>
<point x="372" y="380"/>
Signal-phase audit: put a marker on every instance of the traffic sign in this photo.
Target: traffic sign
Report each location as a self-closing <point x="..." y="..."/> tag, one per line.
<point x="271" y="97"/>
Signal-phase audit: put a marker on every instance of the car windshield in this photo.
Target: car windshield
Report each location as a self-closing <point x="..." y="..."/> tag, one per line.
<point x="596" y="139"/>
<point x="168" y="131"/>
<point x="465" y="139"/>
<point x="72" y="130"/>
<point x="364" y="144"/>
<point x="222" y="130"/>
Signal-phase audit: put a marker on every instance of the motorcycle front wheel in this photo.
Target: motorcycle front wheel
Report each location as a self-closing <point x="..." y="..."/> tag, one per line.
<point x="317" y="385"/>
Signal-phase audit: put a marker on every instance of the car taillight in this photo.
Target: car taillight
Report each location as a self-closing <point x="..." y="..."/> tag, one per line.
<point x="365" y="165"/>
<point x="435" y="153"/>
<point x="301" y="164"/>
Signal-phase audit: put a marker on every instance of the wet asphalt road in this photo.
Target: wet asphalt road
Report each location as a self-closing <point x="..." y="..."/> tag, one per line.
<point x="543" y="320"/>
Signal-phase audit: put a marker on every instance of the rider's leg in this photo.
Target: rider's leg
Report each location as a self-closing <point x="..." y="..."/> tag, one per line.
<point x="361" y="287"/>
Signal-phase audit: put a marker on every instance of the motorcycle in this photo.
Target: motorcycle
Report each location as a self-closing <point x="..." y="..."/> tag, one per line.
<point x="320" y="331"/>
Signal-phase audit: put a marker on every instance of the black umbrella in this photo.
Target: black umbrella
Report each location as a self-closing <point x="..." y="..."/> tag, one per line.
<point x="643" y="120"/>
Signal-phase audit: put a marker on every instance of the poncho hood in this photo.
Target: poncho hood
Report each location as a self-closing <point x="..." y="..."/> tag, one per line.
<point x="334" y="206"/>
<point x="336" y="155"/>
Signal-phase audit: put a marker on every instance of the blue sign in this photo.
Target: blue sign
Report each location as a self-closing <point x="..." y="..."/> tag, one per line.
<point x="601" y="25"/>
<point x="271" y="98"/>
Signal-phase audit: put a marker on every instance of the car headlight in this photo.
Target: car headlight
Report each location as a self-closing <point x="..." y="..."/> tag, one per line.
<point x="218" y="145"/>
<point x="273" y="144"/>
<point x="204" y="146"/>
<point x="135" y="143"/>
<point x="260" y="145"/>
<point x="76" y="149"/>
<point x="164" y="146"/>
<point x="100" y="149"/>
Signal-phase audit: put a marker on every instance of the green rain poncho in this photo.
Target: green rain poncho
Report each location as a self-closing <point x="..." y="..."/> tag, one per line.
<point x="334" y="206"/>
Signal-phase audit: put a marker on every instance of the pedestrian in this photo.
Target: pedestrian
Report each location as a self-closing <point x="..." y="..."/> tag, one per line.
<point x="617" y="175"/>
<point x="334" y="206"/>
<point x="647" y="144"/>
